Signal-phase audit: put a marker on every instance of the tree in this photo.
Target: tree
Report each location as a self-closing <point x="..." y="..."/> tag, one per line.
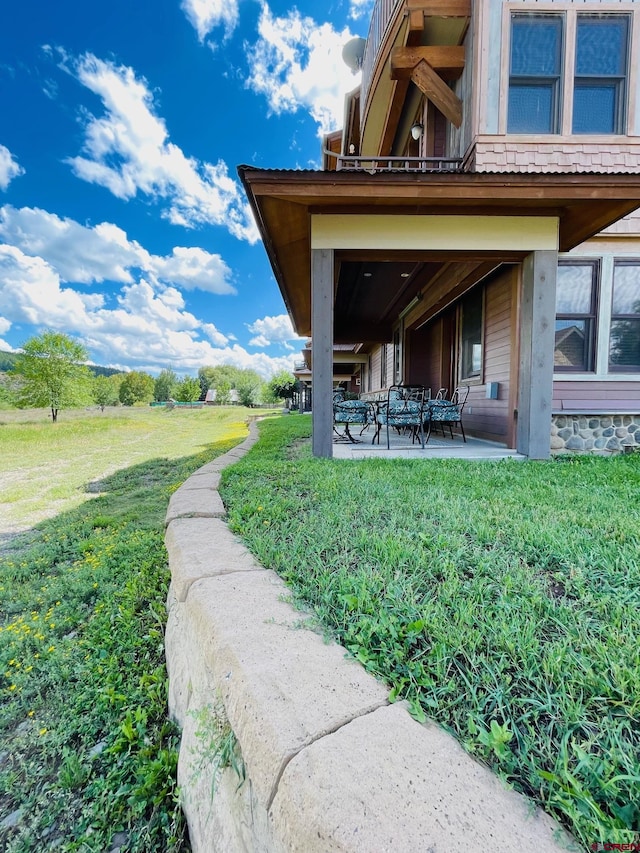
<point x="53" y="373"/>
<point x="188" y="390"/>
<point x="223" y="394"/>
<point x="250" y="387"/>
<point x="137" y="387"/>
<point x="106" y="390"/>
<point x="165" y="386"/>
<point x="214" y="377"/>
<point x="282" y="386"/>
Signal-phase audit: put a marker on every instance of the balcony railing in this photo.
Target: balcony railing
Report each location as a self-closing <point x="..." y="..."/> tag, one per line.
<point x="373" y="165"/>
<point x="383" y="13"/>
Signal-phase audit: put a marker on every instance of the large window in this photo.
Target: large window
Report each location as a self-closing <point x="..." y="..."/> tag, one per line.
<point x="383" y="366"/>
<point x="600" y="74"/>
<point x="536" y="68"/>
<point x="576" y="306"/>
<point x="545" y="72"/>
<point x="624" y="338"/>
<point x="397" y="357"/>
<point x="471" y="316"/>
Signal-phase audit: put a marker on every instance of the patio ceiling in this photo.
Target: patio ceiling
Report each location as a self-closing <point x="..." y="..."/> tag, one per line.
<point x="373" y="286"/>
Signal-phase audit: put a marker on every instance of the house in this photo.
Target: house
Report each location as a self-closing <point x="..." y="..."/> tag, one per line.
<point x="348" y="363"/>
<point x="474" y="221"/>
<point x="212" y="393"/>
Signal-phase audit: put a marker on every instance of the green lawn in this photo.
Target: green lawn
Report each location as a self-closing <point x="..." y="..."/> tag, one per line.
<point x="87" y="755"/>
<point x="501" y="599"/>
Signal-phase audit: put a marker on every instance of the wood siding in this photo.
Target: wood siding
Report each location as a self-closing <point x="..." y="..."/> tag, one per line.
<point x="493" y="419"/>
<point x="596" y="397"/>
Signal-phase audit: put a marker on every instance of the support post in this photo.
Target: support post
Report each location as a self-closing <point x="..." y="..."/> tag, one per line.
<point x="322" y="271"/>
<point x="537" y="341"/>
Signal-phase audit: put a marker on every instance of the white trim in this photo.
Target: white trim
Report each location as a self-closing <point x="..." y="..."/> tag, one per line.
<point x="440" y="233"/>
<point x="596" y="377"/>
<point x="603" y="319"/>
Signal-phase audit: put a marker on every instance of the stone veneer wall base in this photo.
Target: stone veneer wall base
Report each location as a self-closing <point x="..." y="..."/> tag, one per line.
<point x="324" y="762"/>
<point x="601" y="434"/>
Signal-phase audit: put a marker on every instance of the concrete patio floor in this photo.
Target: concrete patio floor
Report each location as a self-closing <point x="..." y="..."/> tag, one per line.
<point x="436" y="448"/>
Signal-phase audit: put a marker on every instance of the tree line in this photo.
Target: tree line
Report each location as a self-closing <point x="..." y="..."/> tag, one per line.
<point x="51" y="372"/>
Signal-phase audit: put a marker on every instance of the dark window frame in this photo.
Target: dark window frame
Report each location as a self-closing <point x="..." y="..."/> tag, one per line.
<point x="590" y="318"/>
<point x="553" y="82"/>
<point x="471" y="377"/>
<point x="604" y="81"/>
<point x="634" y="317"/>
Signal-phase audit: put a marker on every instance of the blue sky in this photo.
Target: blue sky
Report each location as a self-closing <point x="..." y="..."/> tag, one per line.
<point x="122" y="122"/>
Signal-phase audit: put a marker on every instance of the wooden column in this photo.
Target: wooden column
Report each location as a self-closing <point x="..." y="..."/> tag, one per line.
<point x="537" y="342"/>
<point x="322" y="266"/>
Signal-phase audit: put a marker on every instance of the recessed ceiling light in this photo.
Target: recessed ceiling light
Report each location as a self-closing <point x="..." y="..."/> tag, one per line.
<point x="367" y="274"/>
<point x="404" y="275"/>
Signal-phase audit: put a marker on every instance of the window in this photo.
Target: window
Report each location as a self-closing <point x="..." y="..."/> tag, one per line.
<point x="471" y="315"/>
<point x="624" y="338"/>
<point x="600" y="74"/>
<point x="397" y="358"/>
<point x="383" y="366"/>
<point x="576" y="305"/>
<point x="540" y="78"/>
<point x="535" y="76"/>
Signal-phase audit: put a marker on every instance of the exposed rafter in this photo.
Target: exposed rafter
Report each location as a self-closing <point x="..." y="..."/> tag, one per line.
<point x="437" y="91"/>
<point x="440" y="8"/>
<point x="447" y="60"/>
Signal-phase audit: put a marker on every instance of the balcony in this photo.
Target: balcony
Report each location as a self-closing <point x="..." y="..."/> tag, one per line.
<point x="375" y="165"/>
<point x="384" y="12"/>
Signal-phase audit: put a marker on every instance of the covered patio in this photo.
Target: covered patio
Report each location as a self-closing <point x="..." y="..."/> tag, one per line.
<point x="354" y="252"/>
<point x="436" y="447"/>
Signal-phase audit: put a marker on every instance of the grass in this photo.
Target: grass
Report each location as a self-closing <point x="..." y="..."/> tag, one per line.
<point x="46" y="468"/>
<point x="87" y="754"/>
<point x="500" y="599"/>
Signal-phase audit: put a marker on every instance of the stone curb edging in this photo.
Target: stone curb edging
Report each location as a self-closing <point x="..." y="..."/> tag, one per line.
<point x="330" y="765"/>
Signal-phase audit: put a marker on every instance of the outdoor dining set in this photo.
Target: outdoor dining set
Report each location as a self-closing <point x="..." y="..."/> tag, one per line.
<point x="409" y="409"/>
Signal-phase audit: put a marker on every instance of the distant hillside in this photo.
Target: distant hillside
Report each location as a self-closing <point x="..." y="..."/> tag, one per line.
<point x="8" y="360"/>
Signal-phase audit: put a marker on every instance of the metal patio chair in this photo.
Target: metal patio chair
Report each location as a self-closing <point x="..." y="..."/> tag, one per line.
<point x="405" y="408"/>
<point x="449" y="412"/>
<point x="346" y="412"/>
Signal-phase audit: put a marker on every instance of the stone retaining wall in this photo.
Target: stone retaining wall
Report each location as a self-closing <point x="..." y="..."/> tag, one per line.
<point x="320" y="761"/>
<point x="604" y="434"/>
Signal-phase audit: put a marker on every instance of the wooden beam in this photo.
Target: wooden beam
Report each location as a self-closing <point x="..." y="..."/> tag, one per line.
<point x="447" y="60"/>
<point x="440" y="8"/>
<point x="451" y="282"/>
<point x="437" y="91"/>
<point x="581" y="222"/>
<point x="322" y="272"/>
<point x="416" y="21"/>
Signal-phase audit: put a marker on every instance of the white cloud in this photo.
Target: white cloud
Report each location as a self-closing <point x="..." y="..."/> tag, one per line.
<point x="297" y="63"/>
<point x="360" y="9"/>
<point x="83" y="254"/>
<point x="5" y="325"/>
<point x="271" y="330"/>
<point x="127" y="150"/>
<point x="214" y="335"/>
<point x="193" y="268"/>
<point x="206" y="15"/>
<point x="9" y="168"/>
<point x="148" y="330"/>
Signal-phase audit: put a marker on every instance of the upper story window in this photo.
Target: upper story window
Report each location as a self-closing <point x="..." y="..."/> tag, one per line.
<point x="576" y="307"/>
<point x="536" y="69"/>
<point x="600" y="74"/>
<point x="568" y="73"/>
<point x="624" y="338"/>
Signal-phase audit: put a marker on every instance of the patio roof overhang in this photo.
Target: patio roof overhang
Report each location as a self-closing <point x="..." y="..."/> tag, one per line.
<point x="374" y="285"/>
